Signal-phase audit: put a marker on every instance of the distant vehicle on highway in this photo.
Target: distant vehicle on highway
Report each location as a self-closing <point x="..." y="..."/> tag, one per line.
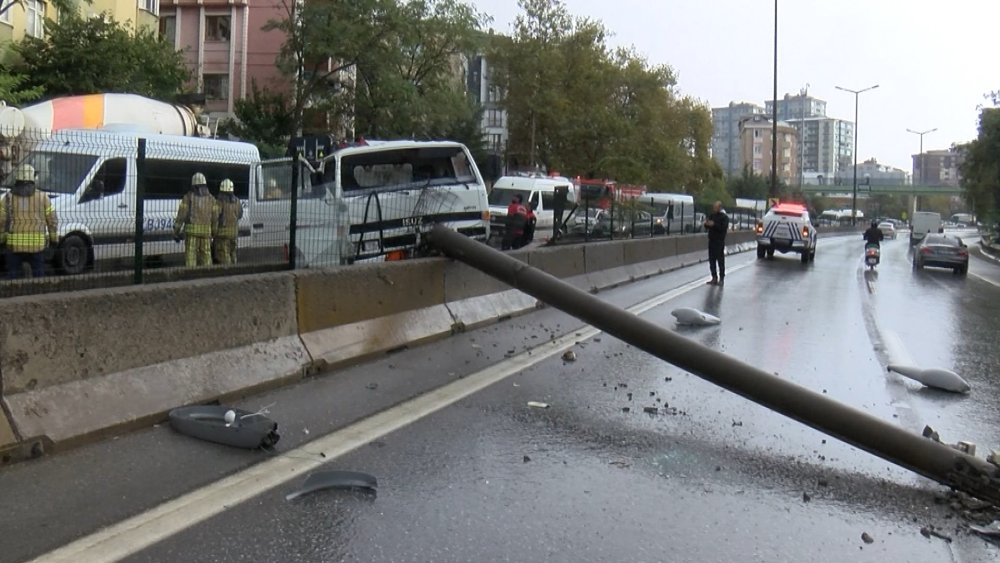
<point x="942" y="251"/>
<point x="888" y="229"/>
<point x="786" y="228"/>
<point x="924" y="222"/>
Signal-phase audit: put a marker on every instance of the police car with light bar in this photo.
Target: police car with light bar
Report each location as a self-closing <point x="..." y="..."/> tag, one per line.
<point x="786" y="228"/>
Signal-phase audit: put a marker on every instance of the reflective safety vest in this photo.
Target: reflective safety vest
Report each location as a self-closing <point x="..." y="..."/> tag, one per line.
<point x="26" y="219"/>
<point x="196" y="215"/>
<point x="230" y="213"/>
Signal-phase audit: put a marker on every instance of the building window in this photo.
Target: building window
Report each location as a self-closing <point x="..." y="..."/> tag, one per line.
<point x="216" y="87"/>
<point x="494" y="118"/>
<point x="168" y="29"/>
<point x="35" y="13"/>
<point x="757" y="149"/>
<point x="496" y="142"/>
<point x="151" y="6"/>
<point x="217" y="28"/>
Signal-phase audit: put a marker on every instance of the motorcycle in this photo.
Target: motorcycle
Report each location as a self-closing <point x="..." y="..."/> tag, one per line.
<point x="872" y="255"/>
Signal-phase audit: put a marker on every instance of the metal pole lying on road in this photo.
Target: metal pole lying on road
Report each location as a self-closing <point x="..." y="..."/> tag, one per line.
<point x="860" y="429"/>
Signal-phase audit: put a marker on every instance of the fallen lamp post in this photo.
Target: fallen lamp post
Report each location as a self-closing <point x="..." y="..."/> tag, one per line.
<point x="929" y="458"/>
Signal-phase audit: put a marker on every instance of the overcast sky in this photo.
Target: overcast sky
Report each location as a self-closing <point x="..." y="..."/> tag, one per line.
<point x="932" y="61"/>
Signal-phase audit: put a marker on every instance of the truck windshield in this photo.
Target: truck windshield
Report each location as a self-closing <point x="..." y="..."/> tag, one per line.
<point x="58" y="172"/>
<point x="503" y="196"/>
<point x="402" y="168"/>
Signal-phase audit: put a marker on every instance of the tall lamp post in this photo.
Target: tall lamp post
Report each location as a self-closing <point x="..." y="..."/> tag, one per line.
<point x="923" y="176"/>
<point x="774" y="111"/>
<point x="854" y="201"/>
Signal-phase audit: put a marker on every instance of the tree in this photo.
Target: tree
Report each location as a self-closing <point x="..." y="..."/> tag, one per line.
<point x="749" y="185"/>
<point x="980" y="170"/>
<point x="13" y="90"/>
<point x="263" y="118"/>
<point x="324" y="43"/>
<point x="87" y="56"/>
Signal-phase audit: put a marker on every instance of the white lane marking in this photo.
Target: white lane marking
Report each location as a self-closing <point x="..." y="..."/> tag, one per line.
<point x="985" y="279"/>
<point x="134" y="534"/>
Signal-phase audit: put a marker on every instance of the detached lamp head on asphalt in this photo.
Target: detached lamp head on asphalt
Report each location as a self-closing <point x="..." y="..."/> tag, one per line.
<point x="931" y="459"/>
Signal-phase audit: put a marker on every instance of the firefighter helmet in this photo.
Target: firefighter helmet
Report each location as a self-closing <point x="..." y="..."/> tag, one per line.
<point x="24" y="173"/>
<point x="198" y="180"/>
<point x="226" y="186"/>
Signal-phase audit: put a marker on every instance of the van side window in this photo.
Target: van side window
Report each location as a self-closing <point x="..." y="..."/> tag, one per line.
<point x="109" y="180"/>
<point x="276" y="181"/>
<point x="171" y="179"/>
<point x="548" y="201"/>
<point x="533" y="200"/>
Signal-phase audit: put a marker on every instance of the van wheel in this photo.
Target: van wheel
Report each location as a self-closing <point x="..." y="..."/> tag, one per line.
<point x="805" y="256"/>
<point x="73" y="256"/>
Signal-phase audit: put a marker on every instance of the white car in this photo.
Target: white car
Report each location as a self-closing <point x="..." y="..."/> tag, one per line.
<point x="888" y="230"/>
<point x="786" y="228"/>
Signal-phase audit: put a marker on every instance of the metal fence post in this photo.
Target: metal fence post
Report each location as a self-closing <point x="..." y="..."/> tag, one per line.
<point x="294" y="214"/>
<point x="586" y="218"/>
<point x="611" y="230"/>
<point x="140" y="209"/>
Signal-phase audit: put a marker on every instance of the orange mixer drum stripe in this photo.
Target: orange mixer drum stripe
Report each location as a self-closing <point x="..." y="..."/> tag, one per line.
<point x="82" y="112"/>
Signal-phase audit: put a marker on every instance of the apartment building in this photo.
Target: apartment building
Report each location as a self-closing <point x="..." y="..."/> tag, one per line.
<point x="726" y="134"/>
<point x="940" y="168"/>
<point x="27" y="18"/>
<point x="756" y="142"/>
<point x="225" y="47"/>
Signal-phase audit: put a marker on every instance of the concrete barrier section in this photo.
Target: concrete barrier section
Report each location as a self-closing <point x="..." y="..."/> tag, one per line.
<point x="605" y="264"/>
<point x="560" y="261"/>
<point x="339" y="296"/>
<point x="75" y="363"/>
<point x="478" y="311"/>
<point x="339" y="345"/>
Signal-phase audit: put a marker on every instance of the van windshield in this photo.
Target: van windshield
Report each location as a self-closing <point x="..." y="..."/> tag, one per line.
<point x="503" y="196"/>
<point x="58" y="172"/>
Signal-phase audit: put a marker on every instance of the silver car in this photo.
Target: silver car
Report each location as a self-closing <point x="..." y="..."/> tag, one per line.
<point x="942" y="251"/>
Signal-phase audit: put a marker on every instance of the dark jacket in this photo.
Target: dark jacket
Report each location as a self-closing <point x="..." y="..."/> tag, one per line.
<point x="874" y="235"/>
<point x="717" y="232"/>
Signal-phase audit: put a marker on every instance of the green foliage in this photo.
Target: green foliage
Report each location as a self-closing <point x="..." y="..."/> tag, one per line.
<point x="263" y="118"/>
<point x="13" y="89"/>
<point x="86" y="56"/>
<point x="980" y="169"/>
<point x="749" y="185"/>
<point x="580" y="107"/>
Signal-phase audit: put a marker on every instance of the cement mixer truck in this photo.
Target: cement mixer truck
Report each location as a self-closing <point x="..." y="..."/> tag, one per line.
<point x="21" y="128"/>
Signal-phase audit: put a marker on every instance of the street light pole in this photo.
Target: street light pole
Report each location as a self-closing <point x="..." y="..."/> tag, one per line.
<point x="774" y="117"/>
<point x="854" y="201"/>
<point x="802" y="134"/>
<point x="923" y="176"/>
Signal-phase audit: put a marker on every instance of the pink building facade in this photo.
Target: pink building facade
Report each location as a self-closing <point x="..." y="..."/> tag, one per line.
<point x="226" y="47"/>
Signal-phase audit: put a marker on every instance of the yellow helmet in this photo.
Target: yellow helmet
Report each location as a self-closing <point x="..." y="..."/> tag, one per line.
<point x="226" y="186"/>
<point x="198" y="180"/>
<point x="24" y="173"/>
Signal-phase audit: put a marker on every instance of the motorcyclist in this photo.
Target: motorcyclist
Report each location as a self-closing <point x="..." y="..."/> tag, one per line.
<point x="873" y="235"/>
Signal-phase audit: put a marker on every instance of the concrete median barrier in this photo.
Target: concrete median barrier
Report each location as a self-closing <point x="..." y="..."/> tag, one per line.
<point x="78" y="364"/>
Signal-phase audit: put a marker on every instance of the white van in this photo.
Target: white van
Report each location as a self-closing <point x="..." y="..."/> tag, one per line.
<point x="672" y="213"/>
<point x="924" y="222"/>
<point x="91" y="178"/>
<point x="538" y="190"/>
<point x="393" y="192"/>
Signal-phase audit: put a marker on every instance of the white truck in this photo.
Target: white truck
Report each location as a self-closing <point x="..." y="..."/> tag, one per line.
<point x="924" y="222"/>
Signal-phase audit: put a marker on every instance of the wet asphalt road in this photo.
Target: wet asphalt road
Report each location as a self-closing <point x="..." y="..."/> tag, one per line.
<point x="711" y="477"/>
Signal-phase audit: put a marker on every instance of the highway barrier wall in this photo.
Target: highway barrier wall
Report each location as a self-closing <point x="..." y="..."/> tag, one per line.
<point x="83" y="365"/>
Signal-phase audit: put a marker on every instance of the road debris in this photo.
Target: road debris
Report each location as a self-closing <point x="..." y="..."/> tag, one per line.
<point x="650" y="410"/>
<point x="938" y="378"/>
<point x="929" y="531"/>
<point x="694" y="317"/>
<point x="225" y="425"/>
<point x="992" y="530"/>
<point x="372" y="386"/>
<point x="335" y="480"/>
<point x="538" y="405"/>
<point x="866" y="537"/>
<point x="569" y="356"/>
<point x="526" y="459"/>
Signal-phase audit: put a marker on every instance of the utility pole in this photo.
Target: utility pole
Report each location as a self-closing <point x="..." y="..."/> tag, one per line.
<point x="803" y="94"/>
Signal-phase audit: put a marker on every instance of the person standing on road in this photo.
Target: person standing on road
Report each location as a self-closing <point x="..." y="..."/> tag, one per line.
<point x="227" y="228"/>
<point x="517" y="220"/>
<point x="717" y="224"/>
<point x="27" y="214"/>
<point x="196" y="218"/>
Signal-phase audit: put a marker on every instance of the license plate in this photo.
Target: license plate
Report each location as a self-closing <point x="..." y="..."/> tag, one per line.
<point x="783" y="241"/>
